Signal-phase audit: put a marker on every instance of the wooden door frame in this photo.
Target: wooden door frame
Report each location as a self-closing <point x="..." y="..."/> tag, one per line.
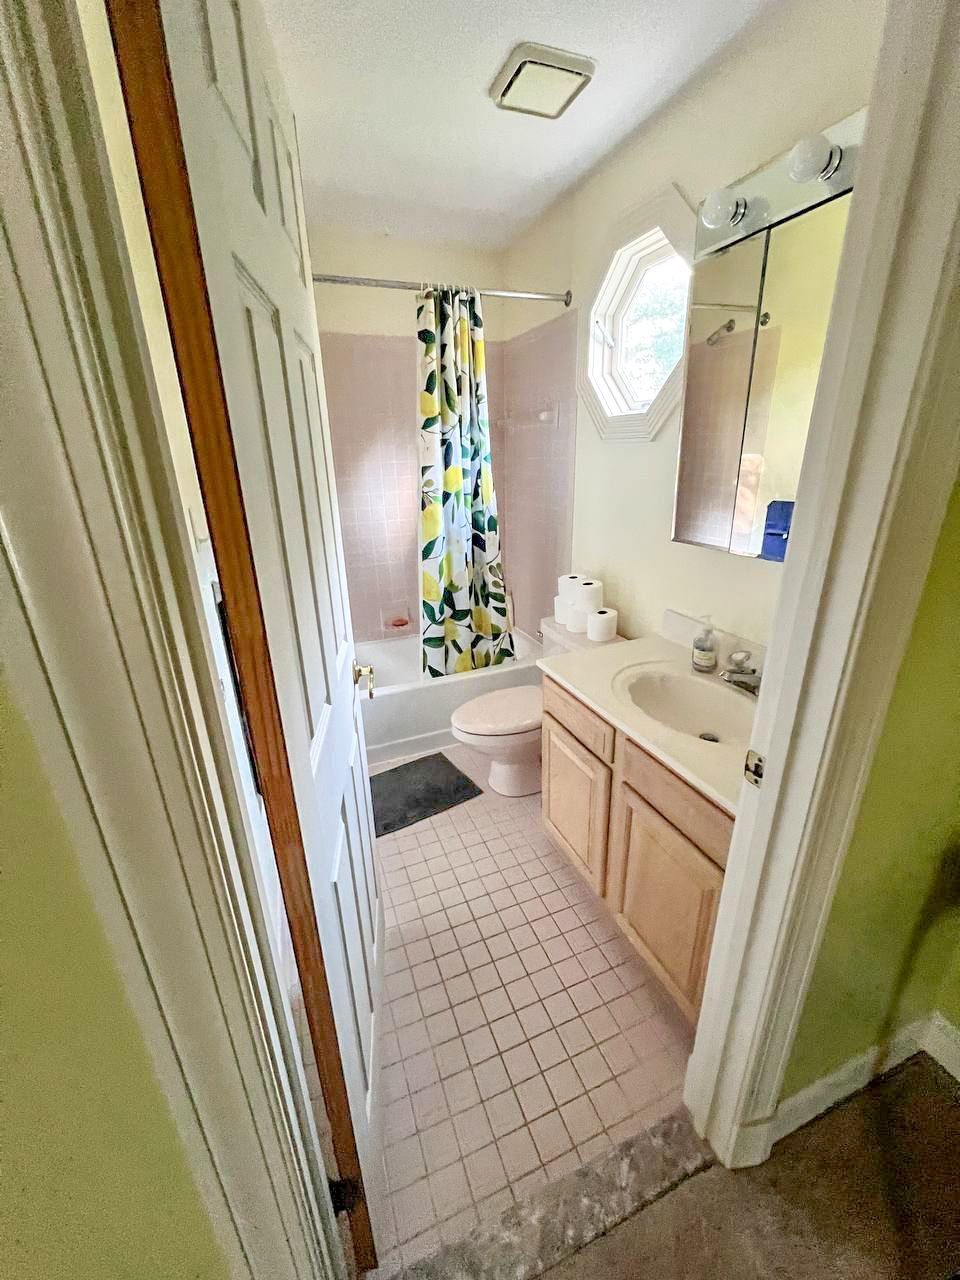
<point x="106" y="652"/>
<point x="881" y="460"/>
<point x="141" y="55"/>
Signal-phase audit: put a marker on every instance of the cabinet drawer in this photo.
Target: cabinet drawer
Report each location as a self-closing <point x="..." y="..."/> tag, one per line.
<point x="584" y="724"/>
<point x="668" y="900"/>
<point x="576" y="801"/>
<point x="697" y="817"/>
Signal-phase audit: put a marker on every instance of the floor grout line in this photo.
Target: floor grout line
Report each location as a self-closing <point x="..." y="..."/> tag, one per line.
<point x="561" y="1218"/>
<point x="515" y="1012"/>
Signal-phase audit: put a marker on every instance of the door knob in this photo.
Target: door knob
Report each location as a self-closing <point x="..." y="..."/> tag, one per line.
<point x="358" y="674"/>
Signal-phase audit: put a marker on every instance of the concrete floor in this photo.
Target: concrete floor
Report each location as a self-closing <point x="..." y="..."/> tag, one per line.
<point x="870" y="1191"/>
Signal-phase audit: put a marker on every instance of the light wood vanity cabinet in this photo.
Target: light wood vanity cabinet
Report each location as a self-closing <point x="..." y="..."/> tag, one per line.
<point x="667" y="895"/>
<point x="644" y="839"/>
<point x="576" y="800"/>
<point x="585" y="725"/>
<point x="692" y="813"/>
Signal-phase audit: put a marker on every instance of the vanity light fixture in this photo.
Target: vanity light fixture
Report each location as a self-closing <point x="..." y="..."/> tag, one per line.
<point x="540" y="81"/>
<point x="815" y="157"/>
<point x="723" y="208"/>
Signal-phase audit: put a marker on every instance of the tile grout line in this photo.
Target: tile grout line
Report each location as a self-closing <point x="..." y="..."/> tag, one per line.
<point x="562" y="1218"/>
<point x="511" y="1022"/>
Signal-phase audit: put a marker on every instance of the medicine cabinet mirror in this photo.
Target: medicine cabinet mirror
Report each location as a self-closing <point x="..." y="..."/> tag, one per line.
<point x="764" y="274"/>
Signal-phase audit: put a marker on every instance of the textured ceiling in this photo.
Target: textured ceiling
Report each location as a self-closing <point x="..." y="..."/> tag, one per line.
<point x="398" y="134"/>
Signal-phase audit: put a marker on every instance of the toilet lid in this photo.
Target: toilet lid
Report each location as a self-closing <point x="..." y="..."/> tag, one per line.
<point x="505" y="711"/>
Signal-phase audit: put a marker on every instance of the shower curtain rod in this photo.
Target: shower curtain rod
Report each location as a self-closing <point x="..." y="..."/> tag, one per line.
<point x="369" y="282"/>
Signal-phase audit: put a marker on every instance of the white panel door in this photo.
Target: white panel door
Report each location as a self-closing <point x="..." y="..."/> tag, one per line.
<point x="241" y="151"/>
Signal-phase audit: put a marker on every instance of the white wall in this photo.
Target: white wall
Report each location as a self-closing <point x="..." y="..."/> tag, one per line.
<point x="800" y="68"/>
<point x="347" y="309"/>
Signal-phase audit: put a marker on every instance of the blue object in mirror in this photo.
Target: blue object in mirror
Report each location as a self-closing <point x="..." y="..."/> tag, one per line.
<point x="776" y="530"/>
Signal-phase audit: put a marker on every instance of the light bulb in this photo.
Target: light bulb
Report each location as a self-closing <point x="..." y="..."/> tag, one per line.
<point x="814" y="157"/>
<point x="722" y="208"/>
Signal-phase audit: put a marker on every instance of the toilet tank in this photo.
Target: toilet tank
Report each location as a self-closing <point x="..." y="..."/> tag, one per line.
<point x="557" y="639"/>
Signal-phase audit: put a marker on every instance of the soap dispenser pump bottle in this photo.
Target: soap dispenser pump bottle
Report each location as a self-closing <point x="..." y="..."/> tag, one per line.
<point x="704" y="653"/>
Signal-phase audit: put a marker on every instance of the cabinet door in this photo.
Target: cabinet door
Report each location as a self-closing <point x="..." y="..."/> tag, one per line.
<point x="576" y="801"/>
<point x="668" y="897"/>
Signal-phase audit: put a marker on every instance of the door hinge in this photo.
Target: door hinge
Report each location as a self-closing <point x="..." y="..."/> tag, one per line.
<point x="345" y="1193"/>
<point x="753" y="767"/>
<point x="221" y="608"/>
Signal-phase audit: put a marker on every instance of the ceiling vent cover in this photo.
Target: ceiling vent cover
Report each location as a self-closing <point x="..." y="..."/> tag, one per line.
<point x="540" y="81"/>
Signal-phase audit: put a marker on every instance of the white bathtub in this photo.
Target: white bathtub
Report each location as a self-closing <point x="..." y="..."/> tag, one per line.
<point x="410" y="712"/>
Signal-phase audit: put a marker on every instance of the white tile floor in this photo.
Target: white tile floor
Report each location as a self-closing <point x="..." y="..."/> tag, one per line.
<point x="520" y="1033"/>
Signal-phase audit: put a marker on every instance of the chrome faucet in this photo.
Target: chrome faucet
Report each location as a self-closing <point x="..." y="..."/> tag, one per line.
<point x="738" y="674"/>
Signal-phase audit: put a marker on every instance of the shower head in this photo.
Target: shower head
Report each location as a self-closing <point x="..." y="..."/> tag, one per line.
<point x="717" y="334"/>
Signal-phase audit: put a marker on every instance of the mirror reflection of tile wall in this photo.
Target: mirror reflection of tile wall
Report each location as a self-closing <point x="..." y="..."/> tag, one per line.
<point x="725" y="290"/>
<point x="798" y="286"/>
<point x="757" y="330"/>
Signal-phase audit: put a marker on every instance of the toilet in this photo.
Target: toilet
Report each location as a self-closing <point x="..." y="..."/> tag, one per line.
<point x="505" y="725"/>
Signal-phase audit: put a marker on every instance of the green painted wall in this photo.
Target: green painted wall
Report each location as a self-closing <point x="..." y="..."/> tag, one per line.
<point x="95" y="1180"/>
<point x="910" y="812"/>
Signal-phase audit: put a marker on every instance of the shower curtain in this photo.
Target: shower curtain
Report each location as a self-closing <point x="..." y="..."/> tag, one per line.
<point x="464" y="604"/>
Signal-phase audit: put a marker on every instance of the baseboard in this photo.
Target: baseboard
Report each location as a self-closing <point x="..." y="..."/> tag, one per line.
<point x="856" y="1073"/>
<point x="935" y="1035"/>
<point x="941" y="1039"/>
<point x="422" y="744"/>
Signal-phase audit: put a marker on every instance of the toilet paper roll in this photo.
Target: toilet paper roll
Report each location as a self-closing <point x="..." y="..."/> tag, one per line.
<point x="567" y="584"/>
<point x="576" y="619"/>
<point x="602" y="625"/>
<point x="560" y="610"/>
<point x="590" y="595"/>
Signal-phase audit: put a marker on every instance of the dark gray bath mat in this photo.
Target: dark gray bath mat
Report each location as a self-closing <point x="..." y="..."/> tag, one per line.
<point x="411" y="792"/>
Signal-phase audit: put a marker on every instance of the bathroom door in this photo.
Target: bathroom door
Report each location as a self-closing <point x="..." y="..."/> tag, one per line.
<point x="239" y="147"/>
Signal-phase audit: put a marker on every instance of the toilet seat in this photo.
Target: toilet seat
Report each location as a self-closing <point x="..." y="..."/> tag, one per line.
<point x="505" y="740"/>
<point x="505" y="727"/>
<point x="502" y="714"/>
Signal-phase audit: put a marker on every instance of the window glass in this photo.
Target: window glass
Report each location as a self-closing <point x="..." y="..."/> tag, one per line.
<point x="651" y="333"/>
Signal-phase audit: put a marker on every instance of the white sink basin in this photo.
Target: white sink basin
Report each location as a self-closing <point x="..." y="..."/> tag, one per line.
<point x="689" y="704"/>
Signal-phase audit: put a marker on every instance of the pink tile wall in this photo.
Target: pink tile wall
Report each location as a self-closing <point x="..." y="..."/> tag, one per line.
<point x="371" y="384"/>
<point x="371" y="395"/>
<point x="539" y="374"/>
<point x="495" y="396"/>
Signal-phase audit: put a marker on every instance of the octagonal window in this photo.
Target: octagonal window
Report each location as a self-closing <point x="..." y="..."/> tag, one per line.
<point x="638" y="326"/>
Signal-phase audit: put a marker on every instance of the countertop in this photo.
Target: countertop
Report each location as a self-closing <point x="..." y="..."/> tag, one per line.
<point x="714" y="768"/>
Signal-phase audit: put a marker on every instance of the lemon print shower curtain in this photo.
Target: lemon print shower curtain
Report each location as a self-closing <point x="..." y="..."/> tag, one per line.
<point x="464" y="604"/>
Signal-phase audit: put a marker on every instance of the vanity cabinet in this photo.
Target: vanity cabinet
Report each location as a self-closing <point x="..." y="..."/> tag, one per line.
<point x="667" y="901"/>
<point x="576" y="800"/>
<point x="649" y="843"/>
<point x="586" y="726"/>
